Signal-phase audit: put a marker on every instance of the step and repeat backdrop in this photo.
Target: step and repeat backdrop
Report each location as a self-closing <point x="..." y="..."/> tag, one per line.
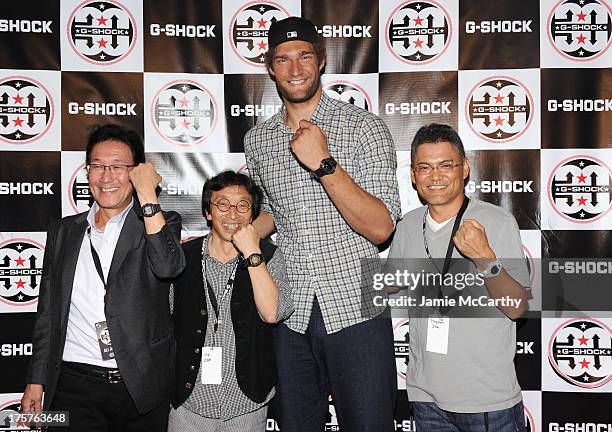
<point x="527" y="84"/>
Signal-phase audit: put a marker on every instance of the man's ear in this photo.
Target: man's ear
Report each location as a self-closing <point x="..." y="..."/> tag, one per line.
<point x="466" y="168"/>
<point x="208" y="216"/>
<point x="322" y="64"/>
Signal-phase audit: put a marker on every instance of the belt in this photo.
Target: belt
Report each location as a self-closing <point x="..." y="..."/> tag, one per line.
<point x="95" y="373"/>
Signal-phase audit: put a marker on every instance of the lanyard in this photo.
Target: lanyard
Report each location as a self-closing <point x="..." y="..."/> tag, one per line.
<point x="96" y="258"/>
<point x="213" y="298"/>
<point x="451" y="244"/>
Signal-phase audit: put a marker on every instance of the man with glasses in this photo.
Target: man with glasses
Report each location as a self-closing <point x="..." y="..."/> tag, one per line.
<point x="234" y="287"/>
<point x="328" y="171"/>
<point x="460" y="374"/>
<point x="103" y="343"/>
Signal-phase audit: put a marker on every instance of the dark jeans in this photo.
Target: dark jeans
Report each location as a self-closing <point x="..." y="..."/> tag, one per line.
<point x="103" y="407"/>
<point x="356" y="365"/>
<point x="429" y="417"/>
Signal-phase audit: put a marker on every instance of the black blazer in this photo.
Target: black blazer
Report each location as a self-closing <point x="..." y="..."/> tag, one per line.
<point x="137" y="309"/>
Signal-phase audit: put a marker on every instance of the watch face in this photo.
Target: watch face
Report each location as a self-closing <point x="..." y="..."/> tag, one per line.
<point x="495" y="269"/>
<point x="328" y="165"/>
<point x="255" y="260"/>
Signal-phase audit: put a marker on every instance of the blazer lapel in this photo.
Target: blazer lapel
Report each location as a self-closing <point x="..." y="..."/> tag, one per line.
<point x="71" y="249"/>
<point x="131" y="234"/>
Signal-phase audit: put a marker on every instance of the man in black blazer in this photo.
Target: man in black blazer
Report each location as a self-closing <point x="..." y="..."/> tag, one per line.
<point x="103" y="344"/>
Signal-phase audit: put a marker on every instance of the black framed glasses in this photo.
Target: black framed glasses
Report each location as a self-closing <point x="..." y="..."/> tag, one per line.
<point x="444" y="167"/>
<point x="224" y="205"/>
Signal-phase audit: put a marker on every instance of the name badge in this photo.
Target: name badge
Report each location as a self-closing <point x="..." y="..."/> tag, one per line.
<point x="437" y="334"/>
<point x="104" y="340"/>
<point x="211" y="365"/>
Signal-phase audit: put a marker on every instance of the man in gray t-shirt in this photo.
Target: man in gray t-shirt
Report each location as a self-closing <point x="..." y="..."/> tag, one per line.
<point x="461" y="374"/>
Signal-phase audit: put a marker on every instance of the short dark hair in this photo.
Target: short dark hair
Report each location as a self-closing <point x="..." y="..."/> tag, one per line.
<point x="318" y="45"/>
<point x="231" y="178"/>
<point x="115" y="132"/>
<point x="435" y="133"/>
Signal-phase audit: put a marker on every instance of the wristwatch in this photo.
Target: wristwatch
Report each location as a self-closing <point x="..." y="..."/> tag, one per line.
<point x="149" y="209"/>
<point x="254" y="260"/>
<point x="328" y="166"/>
<point x="493" y="269"/>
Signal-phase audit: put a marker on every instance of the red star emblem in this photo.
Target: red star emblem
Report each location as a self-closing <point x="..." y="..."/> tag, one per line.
<point x="20" y="283"/>
<point x="184" y="102"/>
<point x="499" y="121"/>
<point x="262" y="23"/>
<point x="581" y="16"/>
<point x="19" y="261"/>
<point x="18" y="121"/>
<point x="418" y="20"/>
<point x="102" y="21"/>
<point x="186" y="124"/>
<point x="581" y="178"/>
<point x="581" y="38"/>
<point x="262" y="44"/>
<point x="583" y="340"/>
<point x="418" y="43"/>
<point x="582" y="201"/>
<point x="102" y="43"/>
<point x="585" y="364"/>
<point x="499" y="99"/>
<point x="17" y="99"/>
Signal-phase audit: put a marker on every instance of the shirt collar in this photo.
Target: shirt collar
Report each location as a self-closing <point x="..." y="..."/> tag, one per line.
<point x="325" y="104"/>
<point x="120" y="217"/>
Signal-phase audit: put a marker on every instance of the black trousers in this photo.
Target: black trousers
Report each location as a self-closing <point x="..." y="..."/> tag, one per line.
<point x="96" y="406"/>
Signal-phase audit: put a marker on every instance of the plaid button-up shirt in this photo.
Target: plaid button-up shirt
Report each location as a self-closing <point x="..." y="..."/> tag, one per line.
<point x="322" y="253"/>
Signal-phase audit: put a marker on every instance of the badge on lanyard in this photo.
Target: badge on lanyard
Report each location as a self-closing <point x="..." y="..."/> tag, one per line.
<point x="437" y="334"/>
<point x="104" y="340"/>
<point x="211" y="365"/>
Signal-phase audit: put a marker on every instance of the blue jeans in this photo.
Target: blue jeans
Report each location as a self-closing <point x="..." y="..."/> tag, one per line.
<point x="429" y="417"/>
<point x="356" y="365"/>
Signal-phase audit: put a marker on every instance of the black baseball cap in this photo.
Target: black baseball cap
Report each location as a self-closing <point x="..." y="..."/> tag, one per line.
<point x="289" y="29"/>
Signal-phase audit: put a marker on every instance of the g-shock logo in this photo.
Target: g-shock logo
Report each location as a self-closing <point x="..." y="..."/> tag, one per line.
<point x="20" y="271"/>
<point x="249" y="30"/>
<point x="348" y="92"/>
<point x="580" y="30"/>
<point x="101" y="32"/>
<point x="26" y="110"/>
<point x="579" y="189"/>
<point x="401" y="345"/>
<point x="418" y="32"/>
<point x="184" y="113"/>
<point x="580" y="352"/>
<point x="79" y="195"/>
<point x="499" y="109"/>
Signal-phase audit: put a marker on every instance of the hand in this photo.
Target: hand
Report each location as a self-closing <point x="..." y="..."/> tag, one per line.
<point x="145" y="179"/>
<point x="471" y="240"/>
<point x="32" y="398"/>
<point x="309" y="145"/>
<point x="246" y="240"/>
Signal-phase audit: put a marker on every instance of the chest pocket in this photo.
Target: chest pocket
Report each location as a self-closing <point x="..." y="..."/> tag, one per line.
<point x="341" y="143"/>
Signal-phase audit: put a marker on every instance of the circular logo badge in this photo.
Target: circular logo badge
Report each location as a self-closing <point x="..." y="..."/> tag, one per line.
<point x="401" y="345"/>
<point x="499" y="109"/>
<point x="184" y="113"/>
<point x="530" y="425"/>
<point x="26" y="110"/>
<point x="102" y="32"/>
<point x="579" y="189"/>
<point x="348" y="92"/>
<point x="20" y="271"/>
<point x="580" y="352"/>
<point x="580" y="30"/>
<point x="248" y="30"/>
<point x="418" y="32"/>
<point x="79" y="196"/>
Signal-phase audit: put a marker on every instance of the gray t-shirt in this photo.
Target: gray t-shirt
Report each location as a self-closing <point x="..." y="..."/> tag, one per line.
<point x="477" y="373"/>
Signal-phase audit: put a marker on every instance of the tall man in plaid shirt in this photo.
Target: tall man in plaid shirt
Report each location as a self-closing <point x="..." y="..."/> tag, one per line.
<point x="328" y="172"/>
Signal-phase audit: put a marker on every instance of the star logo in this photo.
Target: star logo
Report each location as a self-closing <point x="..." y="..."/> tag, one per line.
<point x="583" y="340"/>
<point x="581" y="178"/>
<point x="499" y="99"/>
<point x="418" y="43"/>
<point x="17" y="99"/>
<point x="20" y="283"/>
<point x="184" y="102"/>
<point x="185" y="124"/>
<point x="581" y="16"/>
<point x="18" y="121"/>
<point x="102" y="21"/>
<point x="102" y="43"/>
<point x="499" y="121"/>
<point x="262" y="44"/>
<point x="418" y="20"/>
<point x="581" y="38"/>
<point x="582" y="201"/>
<point x="262" y="23"/>
<point x="585" y="364"/>
<point x="19" y="261"/>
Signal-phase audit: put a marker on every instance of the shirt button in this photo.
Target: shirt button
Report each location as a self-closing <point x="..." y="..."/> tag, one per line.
<point x="187" y="385"/>
<point x="198" y="331"/>
<point x="192" y="367"/>
<point x="309" y="255"/>
<point x="197" y="350"/>
<point x="202" y="311"/>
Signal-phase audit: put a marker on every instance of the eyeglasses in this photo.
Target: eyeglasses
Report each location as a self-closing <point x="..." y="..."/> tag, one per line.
<point x="224" y="205"/>
<point x="444" y="167"/>
<point x="115" y="169"/>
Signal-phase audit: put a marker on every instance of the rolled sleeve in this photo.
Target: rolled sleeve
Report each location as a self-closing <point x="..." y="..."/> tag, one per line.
<point x="278" y="271"/>
<point x="377" y="165"/>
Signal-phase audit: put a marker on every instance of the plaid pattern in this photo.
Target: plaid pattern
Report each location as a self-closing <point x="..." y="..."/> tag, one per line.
<point x="321" y="250"/>
<point x="227" y="401"/>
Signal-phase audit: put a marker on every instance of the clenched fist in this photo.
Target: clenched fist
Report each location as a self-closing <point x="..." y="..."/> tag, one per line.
<point x="145" y="178"/>
<point x="471" y="240"/>
<point x="309" y="145"/>
<point x="246" y="240"/>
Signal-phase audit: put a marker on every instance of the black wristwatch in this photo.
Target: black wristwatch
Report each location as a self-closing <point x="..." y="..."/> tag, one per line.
<point x="328" y="166"/>
<point x="149" y="209"/>
<point x="254" y="260"/>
